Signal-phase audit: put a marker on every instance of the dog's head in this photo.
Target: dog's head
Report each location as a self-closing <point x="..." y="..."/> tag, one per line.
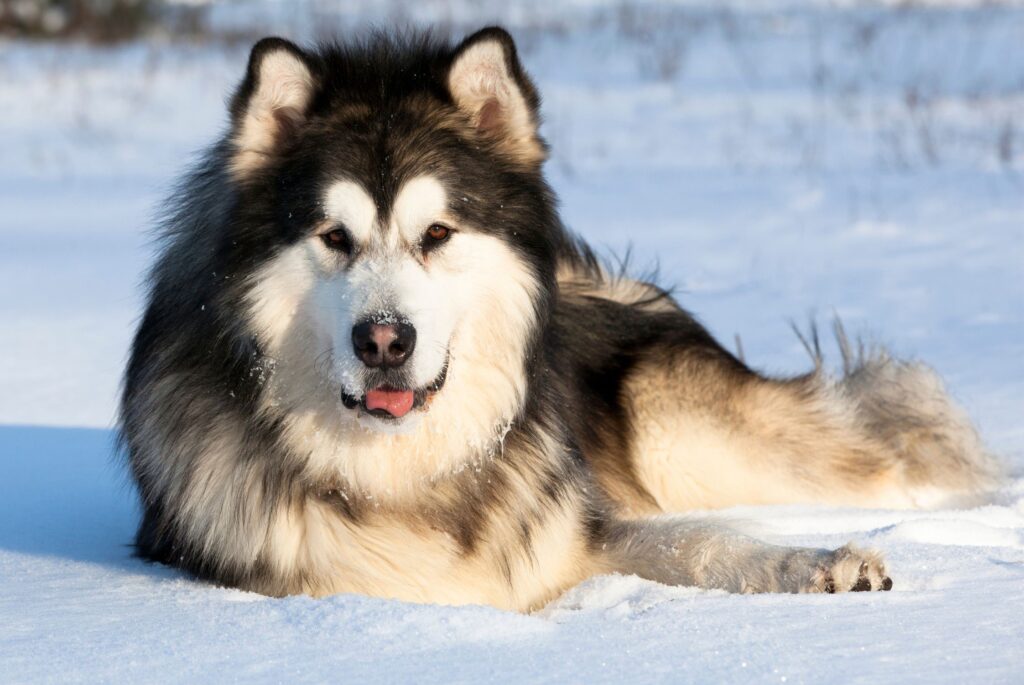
<point x="390" y="195"/>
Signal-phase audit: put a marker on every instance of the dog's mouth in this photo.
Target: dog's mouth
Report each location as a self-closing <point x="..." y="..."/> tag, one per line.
<point x="390" y="403"/>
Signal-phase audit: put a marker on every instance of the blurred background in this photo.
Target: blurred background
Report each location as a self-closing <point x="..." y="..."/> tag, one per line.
<point x="775" y="160"/>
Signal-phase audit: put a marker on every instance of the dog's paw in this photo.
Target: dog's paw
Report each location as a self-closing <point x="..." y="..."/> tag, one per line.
<point x="849" y="569"/>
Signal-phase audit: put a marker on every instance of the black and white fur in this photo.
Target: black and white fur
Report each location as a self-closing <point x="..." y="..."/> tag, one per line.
<point x="559" y="412"/>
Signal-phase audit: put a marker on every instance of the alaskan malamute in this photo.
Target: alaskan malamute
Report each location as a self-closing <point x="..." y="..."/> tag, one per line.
<point x="373" y="360"/>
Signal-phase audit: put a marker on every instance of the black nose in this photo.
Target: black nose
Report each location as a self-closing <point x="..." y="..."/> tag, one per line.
<point x="380" y="344"/>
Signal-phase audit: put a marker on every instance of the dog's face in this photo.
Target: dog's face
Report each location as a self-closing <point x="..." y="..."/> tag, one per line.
<point x="413" y="230"/>
<point x="391" y="289"/>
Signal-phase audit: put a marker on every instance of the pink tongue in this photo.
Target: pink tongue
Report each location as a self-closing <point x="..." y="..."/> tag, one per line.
<point x="395" y="402"/>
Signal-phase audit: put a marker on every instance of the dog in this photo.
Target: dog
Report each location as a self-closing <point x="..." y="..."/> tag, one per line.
<point x="373" y="360"/>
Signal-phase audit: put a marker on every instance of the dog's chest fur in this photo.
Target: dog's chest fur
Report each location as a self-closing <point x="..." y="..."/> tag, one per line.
<point x="508" y="531"/>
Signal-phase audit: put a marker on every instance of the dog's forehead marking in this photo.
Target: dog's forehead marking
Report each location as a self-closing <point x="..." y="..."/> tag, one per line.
<point x="421" y="201"/>
<point x="346" y="202"/>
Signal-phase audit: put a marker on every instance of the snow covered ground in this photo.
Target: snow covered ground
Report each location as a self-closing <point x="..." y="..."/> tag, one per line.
<point x="776" y="161"/>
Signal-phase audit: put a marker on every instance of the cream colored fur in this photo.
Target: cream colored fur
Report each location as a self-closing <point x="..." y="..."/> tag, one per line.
<point x="704" y="442"/>
<point x="283" y="92"/>
<point x="576" y="281"/>
<point x="482" y="85"/>
<point x="884" y="434"/>
<point x="398" y="555"/>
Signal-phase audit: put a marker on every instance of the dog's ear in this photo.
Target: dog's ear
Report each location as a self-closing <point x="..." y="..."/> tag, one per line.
<point x="272" y="102"/>
<point x="488" y="83"/>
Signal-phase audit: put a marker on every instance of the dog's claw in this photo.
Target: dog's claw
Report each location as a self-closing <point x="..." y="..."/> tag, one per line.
<point x="849" y="569"/>
<point x="863" y="585"/>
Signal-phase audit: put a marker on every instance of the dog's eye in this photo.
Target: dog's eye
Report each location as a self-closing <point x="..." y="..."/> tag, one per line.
<point x="435" y="235"/>
<point x="339" y="240"/>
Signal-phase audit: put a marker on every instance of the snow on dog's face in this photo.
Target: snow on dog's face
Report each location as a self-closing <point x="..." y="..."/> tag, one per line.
<point x="396" y="287"/>
<point x="395" y="299"/>
<point x="412" y="233"/>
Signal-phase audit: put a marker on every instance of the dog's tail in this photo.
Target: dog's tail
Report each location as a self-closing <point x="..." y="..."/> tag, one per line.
<point x="906" y="407"/>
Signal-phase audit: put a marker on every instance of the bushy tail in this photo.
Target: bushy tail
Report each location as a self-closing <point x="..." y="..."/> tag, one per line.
<point x="905" y="406"/>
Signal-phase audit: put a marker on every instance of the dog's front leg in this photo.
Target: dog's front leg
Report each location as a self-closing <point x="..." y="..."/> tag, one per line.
<point x="680" y="551"/>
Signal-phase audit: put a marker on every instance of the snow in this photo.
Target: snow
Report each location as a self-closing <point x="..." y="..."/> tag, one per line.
<point x="77" y="608"/>
<point x="777" y="162"/>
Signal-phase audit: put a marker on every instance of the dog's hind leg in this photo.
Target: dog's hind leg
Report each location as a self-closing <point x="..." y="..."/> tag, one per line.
<point x="679" y="423"/>
<point x="682" y="551"/>
<point x="707" y="432"/>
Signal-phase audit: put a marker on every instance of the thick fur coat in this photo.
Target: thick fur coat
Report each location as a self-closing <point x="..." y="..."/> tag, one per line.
<point x="373" y="360"/>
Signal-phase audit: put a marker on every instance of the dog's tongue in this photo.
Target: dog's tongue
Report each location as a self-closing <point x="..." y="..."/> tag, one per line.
<point x="395" y="402"/>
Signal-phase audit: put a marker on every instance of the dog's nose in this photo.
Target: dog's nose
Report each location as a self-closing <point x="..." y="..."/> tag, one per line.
<point x="379" y="344"/>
